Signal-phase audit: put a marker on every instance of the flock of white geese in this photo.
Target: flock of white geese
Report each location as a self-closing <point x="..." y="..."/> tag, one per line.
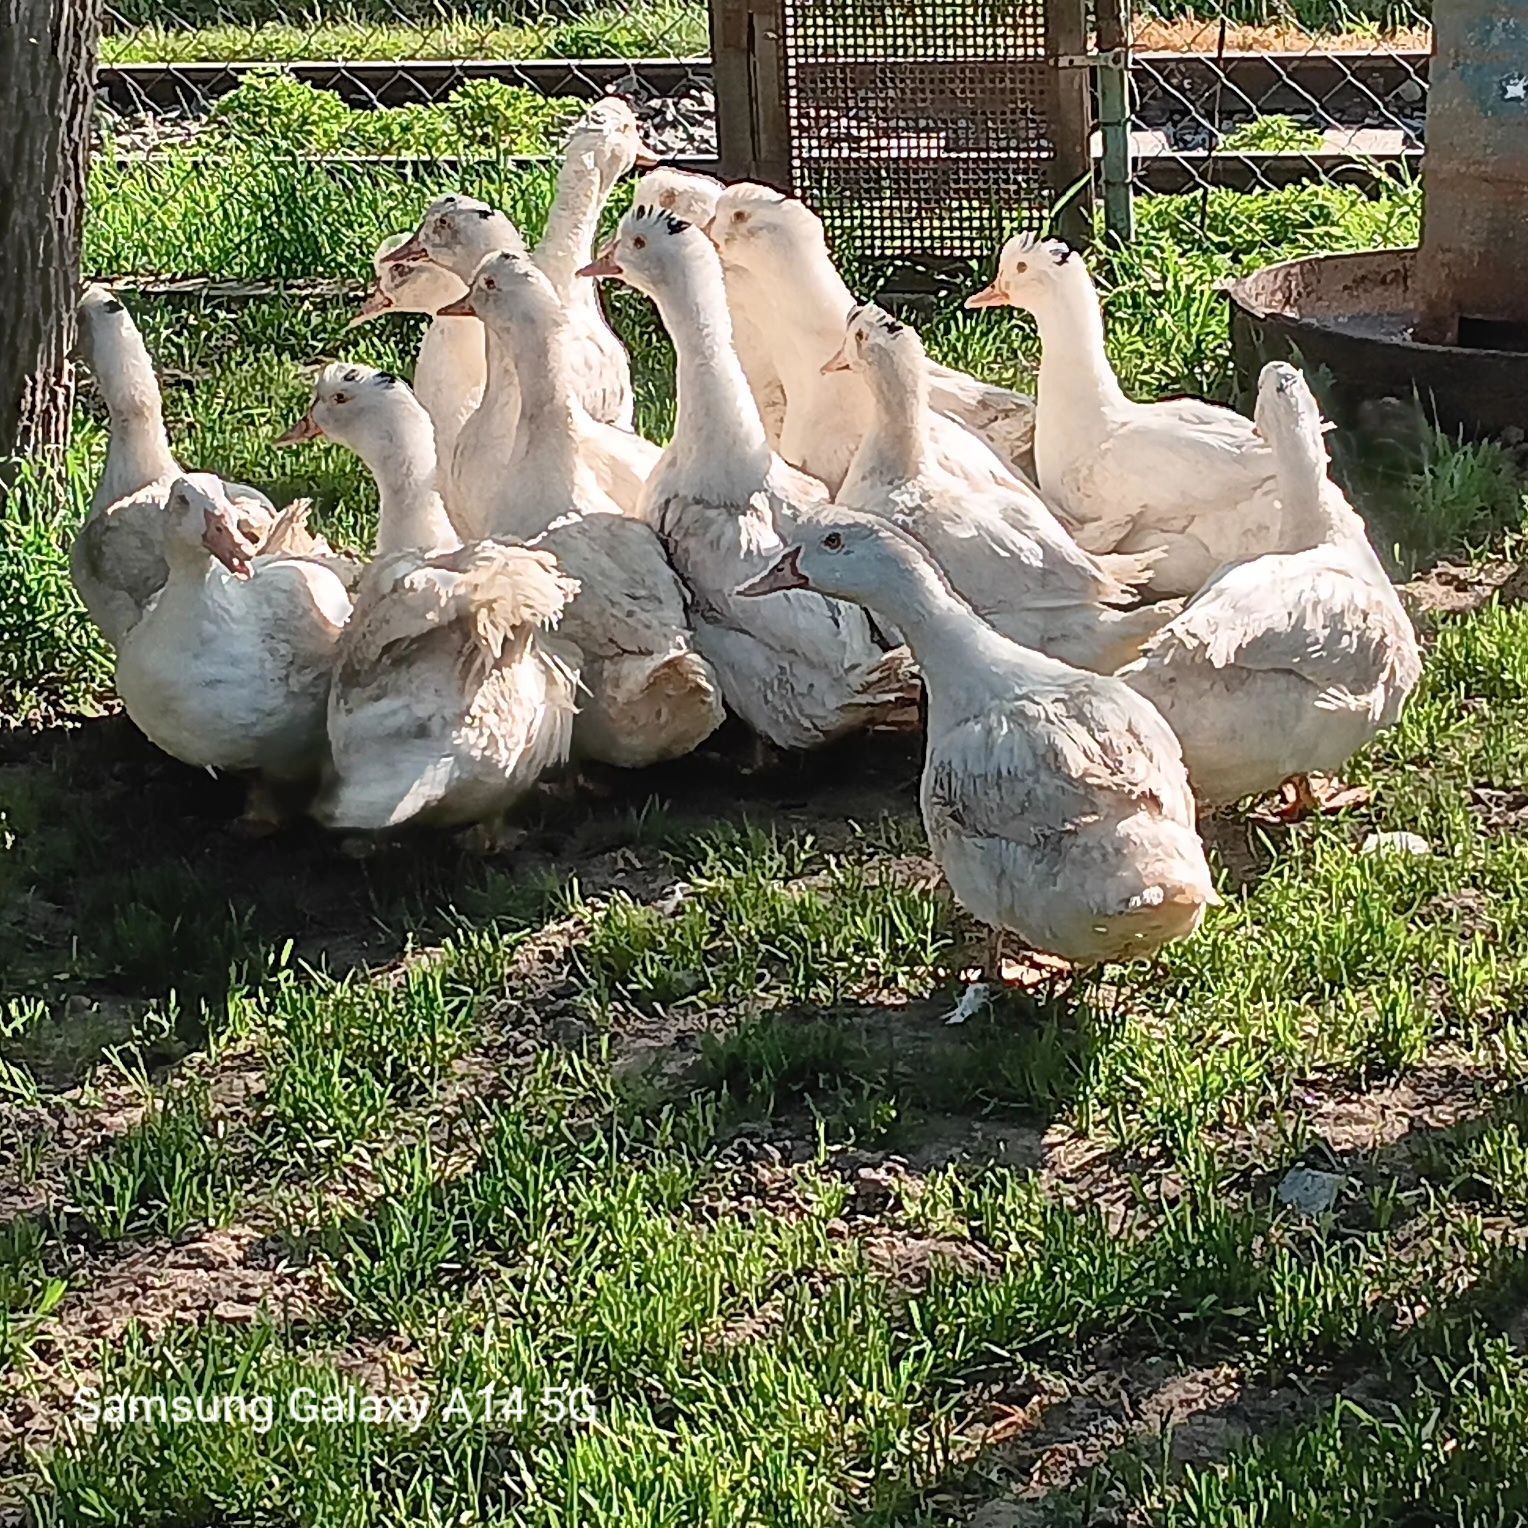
<point x="1117" y="611"/>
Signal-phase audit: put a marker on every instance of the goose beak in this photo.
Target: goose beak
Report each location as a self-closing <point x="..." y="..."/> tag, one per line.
<point x="461" y="308"/>
<point x="377" y="302"/>
<point x="989" y="297"/>
<point x="304" y="429"/>
<point x="223" y="542"/>
<point x="648" y="159"/>
<point x="603" y="264"/>
<point x="407" y="253"/>
<point x="786" y="574"/>
<point x="838" y="361"/>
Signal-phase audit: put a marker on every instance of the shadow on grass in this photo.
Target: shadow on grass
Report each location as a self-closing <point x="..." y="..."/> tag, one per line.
<point x="128" y="895"/>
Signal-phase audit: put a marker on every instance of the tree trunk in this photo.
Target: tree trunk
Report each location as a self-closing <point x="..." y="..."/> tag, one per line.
<point x="47" y="74"/>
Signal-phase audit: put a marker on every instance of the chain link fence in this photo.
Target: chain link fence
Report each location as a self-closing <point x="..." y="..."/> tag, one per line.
<point x="237" y="136"/>
<point x="1255" y="94"/>
<point x="269" y="140"/>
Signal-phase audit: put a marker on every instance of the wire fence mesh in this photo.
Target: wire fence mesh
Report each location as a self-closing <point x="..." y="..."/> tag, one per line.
<point x="1254" y="94"/>
<point x="263" y="139"/>
<point x="235" y="136"/>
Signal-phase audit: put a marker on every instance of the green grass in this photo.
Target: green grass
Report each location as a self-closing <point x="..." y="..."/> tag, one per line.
<point x="643" y="1154"/>
<point x="646" y="29"/>
<point x="1315" y="16"/>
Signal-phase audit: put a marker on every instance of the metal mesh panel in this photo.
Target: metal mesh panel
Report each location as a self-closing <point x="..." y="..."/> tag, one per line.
<point x="1252" y="94"/>
<point x="919" y="128"/>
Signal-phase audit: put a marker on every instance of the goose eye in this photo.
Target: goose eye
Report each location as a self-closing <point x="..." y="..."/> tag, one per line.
<point x="1020" y="266"/>
<point x="833" y="542"/>
<point x="341" y="398"/>
<point x="490" y="284"/>
<point x="739" y="217"/>
<point x="639" y="243"/>
<point x="860" y="336"/>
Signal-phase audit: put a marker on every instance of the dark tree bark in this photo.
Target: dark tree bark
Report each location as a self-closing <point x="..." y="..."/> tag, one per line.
<point x="47" y="72"/>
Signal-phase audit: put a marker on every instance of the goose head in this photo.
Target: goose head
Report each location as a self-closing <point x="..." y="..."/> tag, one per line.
<point x="876" y="344"/>
<point x="1289" y="419"/>
<point x="608" y="138"/>
<point x="202" y="519"/>
<point x="848" y="556"/>
<point x="1286" y="408"/>
<point x="370" y="411"/>
<point x="457" y="233"/>
<point x="509" y="293"/>
<point x="691" y="198"/>
<point x="1030" y="271"/>
<point x="649" y="249"/>
<point x="411" y="287"/>
<point x="757" y="228"/>
<point x="107" y="339"/>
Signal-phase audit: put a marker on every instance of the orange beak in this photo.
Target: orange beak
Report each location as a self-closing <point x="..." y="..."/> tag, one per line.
<point x="989" y="297"/>
<point x="838" y="361"/>
<point x="410" y="250"/>
<point x="304" y="429"/>
<point x="603" y="264"/>
<point x="461" y="308"/>
<point x="377" y="302"/>
<point x="648" y="159"/>
<point x="786" y="574"/>
<point x="222" y="540"/>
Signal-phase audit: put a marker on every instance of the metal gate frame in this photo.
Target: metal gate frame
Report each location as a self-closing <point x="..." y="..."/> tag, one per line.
<point x="753" y="118"/>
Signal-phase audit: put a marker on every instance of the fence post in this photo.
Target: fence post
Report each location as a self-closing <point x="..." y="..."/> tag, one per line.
<point x="771" y="114"/>
<point x="1114" y="118"/>
<point x="1066" y="37"/>
<point x="731" y="74"/>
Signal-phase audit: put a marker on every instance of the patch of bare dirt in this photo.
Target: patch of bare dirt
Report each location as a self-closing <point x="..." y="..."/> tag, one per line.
<point x="1502" y="811"/>
<point x="1458" y="588"/>
<point x="1042" y="1435"/>
<point x="1438" y="1096"/>
<point x="225" y="1275"/>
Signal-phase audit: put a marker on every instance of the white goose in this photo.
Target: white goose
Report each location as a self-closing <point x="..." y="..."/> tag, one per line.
<point x="450" y="698"/>
<point x="1055" y="800"/>
<point x="1191" y="478"/>
<point x="1290" y="662"/>
<point x="1002" y="549"/>
<point x="619" y="459"/>
<point x="458" y="233"/>
<point x="780" y="273"/>
<point x="649" y="695"/>
<point x="452" y="365"/>
<point x="693" y="199"/>
<point x="229" y="667"/>
<point x="602" y="147"/>
<point x="117" y="561"/>
<point x="800" y="671"/>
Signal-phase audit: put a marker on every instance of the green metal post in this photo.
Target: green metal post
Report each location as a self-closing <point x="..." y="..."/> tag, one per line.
<point x="1114" y="117"/>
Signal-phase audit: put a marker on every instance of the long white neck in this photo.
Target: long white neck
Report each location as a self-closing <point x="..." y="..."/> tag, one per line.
<point x="448" y="374"/>
<point x="546" y="467"/>
<point x="138" y="449"/>
<point x="411" y="517"/>
<point x="957" y="650"/>
<point x="498" y="415"/>
<point x="568" y="240"/>
<point x="810" y="305"/>
<point x="1074" y="365"/>
<point x="717" y="431"/>
<point x="1315" y="511"/>
<point x="190" y="565"/>
<point x="896" y="444"/>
